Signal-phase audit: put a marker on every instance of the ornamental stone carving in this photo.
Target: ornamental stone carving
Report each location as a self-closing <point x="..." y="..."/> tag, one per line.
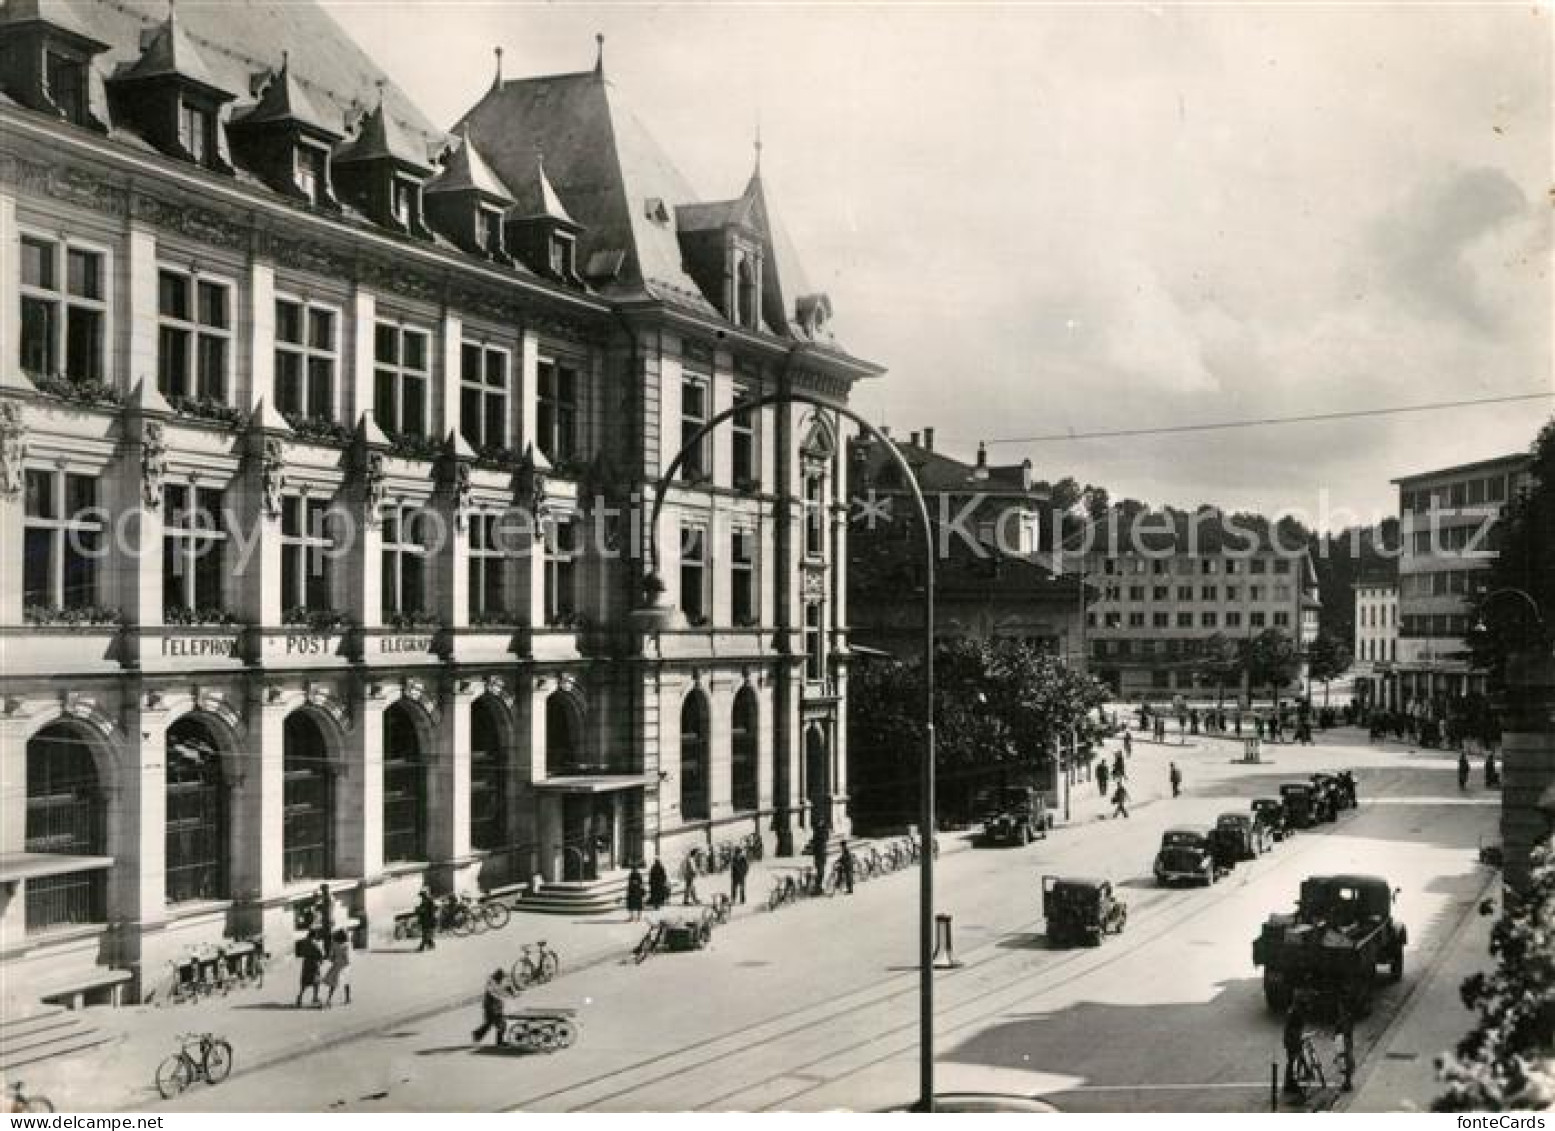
<point x="13" y="449"/>
<point x="153" y="463"/>
<point x="374" y="473"/>
<point x="463" y="496"/>
<point x="272" y="476"/>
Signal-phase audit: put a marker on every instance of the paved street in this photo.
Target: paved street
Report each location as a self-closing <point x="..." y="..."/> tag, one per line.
<point x="814" y="1007"/>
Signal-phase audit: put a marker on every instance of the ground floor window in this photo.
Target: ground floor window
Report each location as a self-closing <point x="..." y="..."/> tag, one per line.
<point x="66" y="814"/>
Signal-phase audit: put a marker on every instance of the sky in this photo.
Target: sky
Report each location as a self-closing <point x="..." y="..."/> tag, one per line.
<point x="1069" y="219"/>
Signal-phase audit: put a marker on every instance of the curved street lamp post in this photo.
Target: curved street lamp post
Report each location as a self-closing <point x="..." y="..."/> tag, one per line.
<point x="658" y="613"/>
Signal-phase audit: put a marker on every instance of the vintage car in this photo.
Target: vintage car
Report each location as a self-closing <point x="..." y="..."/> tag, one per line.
<point x="1245" y="834"/>
<point x="1347" y="793"/>
<point x="1300" y="804"/>
<point x="1081" y="909"/>
<point x="1327" y="799"/>
<point x="1185" y="857"/>
<point x="1013" y="814"/>
<point x="1269" y="813"/>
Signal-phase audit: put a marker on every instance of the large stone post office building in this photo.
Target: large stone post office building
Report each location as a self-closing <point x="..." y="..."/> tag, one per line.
<point x="325" y="436"/>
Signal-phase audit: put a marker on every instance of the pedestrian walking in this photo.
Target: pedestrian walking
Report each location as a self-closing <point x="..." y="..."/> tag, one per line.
<point x="1174" y="775"/>
<point x="1119" y="769"/>
<point x="1492" y="772"/>
<point x="658" y="885"/>
<point x="494" y="1008"/>
<point x="739" y="868"/>
<point x="1463" y="772"/>
<point x="338" y="976"/>
<point x="845" y="867"/>
<point x="1120" y="801"/>
<point x="1128" y="745"/>
<point x="324" y="911"/>
<point x="1101" y="778"/>
<point x="312" y="956"/>
<point x="818" y="843"/>
<point x="1237" y="719"/>
<point x="634" y="895"/>
<point x="426" y="920"/>
<point x="688" y="881"/>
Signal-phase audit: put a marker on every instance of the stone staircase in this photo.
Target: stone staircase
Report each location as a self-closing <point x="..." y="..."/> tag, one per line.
<point x="577" y="897"/>
<point x="43" y="1032"/>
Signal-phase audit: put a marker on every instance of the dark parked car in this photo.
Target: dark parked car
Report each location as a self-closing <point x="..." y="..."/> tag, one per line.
<point x="1300" y="807"/>
<point x="1246" y="835"/>
<point x="1080" y="909"/>
<point x="1185" y="857"/>
<point x="1326" y="797"/>
<point x="1270" y="813"/>
<point x="1013" y="814"/>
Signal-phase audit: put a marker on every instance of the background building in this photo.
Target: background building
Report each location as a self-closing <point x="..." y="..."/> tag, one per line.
<point x="1376" y="638"/>
<point x="324" y="433"/>
<point x="1448" y="521"/>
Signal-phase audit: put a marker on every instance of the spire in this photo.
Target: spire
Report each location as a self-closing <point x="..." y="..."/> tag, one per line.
<point x="599" y="58"/>
<point x="757" y="171"/>
<point x="496" y="83"/>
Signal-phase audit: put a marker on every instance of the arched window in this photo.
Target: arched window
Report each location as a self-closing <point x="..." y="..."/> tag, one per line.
<point x="563" y="735"/>
<point x="404" y="786"/>
<point x="308" y="801"/>
<point x="488" y="775"/>
<point x="67" y="815"/>
<point x="196" y="823"/>
<point x="743" y="749"/>
<point x="745" y="294"/>
<point x="695" y="757"/>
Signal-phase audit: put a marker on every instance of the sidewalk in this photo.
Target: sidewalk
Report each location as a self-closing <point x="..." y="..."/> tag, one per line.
<point x="1398" y="1073"/>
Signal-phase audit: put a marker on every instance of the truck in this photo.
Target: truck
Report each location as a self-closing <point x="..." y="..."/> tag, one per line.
<point x="1014" y="814"/>
<point x="1341" y="932"/>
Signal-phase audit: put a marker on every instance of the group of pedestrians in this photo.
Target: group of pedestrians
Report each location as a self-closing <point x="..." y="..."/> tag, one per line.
<point x="324" y="953"/>
<point x="1492" y="771"/>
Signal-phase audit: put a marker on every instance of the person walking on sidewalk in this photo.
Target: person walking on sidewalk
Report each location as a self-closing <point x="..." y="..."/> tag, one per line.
<point x="845" y="867"/>
<point x="312" y="955"/>
<point x="338" y="976"/>
<point x="1174" y="775"/>
<point x="426" y="919"/>
<point x="1120" y="801"/>
<point x="494" y="1008"/>
<point x="1492" y="772"/>
<point x="1463" y="772"/>
<point x="739" y="868"/>
<point x="688" y="880"/>
<point x="1101" y="778"/>
<point x="1128" y="745"/>
<point x="658" y="885"/>
<point x="634" y="895"/>
<point x="1119" y="769"/>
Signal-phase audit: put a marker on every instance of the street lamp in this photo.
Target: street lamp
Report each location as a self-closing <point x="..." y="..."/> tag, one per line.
<point x="657" y="614"/>
<point x="1486" y="598"/>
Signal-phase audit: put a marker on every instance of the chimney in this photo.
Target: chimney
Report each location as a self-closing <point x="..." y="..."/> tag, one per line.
<point x="913" y="439"/>
<point x="928" y="439"/>
<point x="885" y="430"/>
<point x="1025" y="475"/>
<point x="981" y="470"/>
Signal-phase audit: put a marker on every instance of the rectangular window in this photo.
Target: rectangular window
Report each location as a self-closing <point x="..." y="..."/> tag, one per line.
<point x="1233" y="593"/>
<point x="483" y="396"/>
<point x="66" y="79"/>
<point x="308" y="169"/>
<point x="306" y="552"/>
<point x="746" y="463"/>
<point x="1282" y="620"/>
<point x="1109" y="567"/>
<point x="1160" y="620"/>
<point x="1281" y="565"/>
<point x="63" y="310"/>
<point x="1282" y="592"/>
<point x="1258" y="565"/>
<point x="1160" y="592"/>
<point x="557" y="411"/>
<point x="693" y="573"/>
<point x="401" y="378"/>
<point x="487" y="570"/>
<point x="305" y="360"/>
<point x="814" y="644"/>
<point x="1232" y="566"/>
<point x="561" y="582"/>
<point x="194" y="536"/>
<point x="196" y="132"/>
<point x="1256" y="592"/>
<point x="1114" y="620"/>
<point x="814" y="527"/>
<point x="1209" y="593"/>
<point x="1209" y="566"/>
<point x="403" y="561"/>
<point x="194" y="329"/>
<point x="693" y="414"/>
<point x="1256" y="619"/>
<point x="1233" y="619"/>
<point x="1207" y="620"/>
<point x="1136" y="592"/>
<point x="1185" y="592"/>
<point x="62" y="540"/>
<point x="1160" y="567"/>
<point x="488" y="230"/>
<point x="1136" y="620"/>
<point x="1113" y="593"/>
<point x="1184" y="620"/>
<point x="742" y="577"/>
<point x="405" y="202"/>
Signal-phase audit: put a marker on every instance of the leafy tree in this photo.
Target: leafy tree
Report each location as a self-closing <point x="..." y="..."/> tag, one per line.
<point x="1328" y="658"/>
<point x="1507" y="1061"/>
<point x="1221" y="660"/>
<point x="1272" y="660"/>
<point x="1527" y="538"/>
<point x="1002" y="710"/>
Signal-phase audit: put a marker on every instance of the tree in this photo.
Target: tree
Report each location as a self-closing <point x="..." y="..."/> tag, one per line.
<point x="1507" y="1061"/>
<point x="1328" y="658"/>
<point x="1272" y="660"/>
<point x="1526" y="540"/>
<point x="1221" y="660"/>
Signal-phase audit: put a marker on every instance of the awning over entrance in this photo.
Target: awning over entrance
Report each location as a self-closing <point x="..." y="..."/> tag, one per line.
<point x="594" y="783"/>
<point x="34" y="865"/>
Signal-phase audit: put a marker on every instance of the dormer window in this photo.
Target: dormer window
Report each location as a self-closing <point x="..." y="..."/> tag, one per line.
<point x="196" y="131"/>
<point x="309" y="172"/>
<point x="404" y="201"/>
<point x="562" y="251"/>
<point x="66" y="78"/>
<point x="170" y="94"/>
<point x="488" y="230"/>
<point x="745" y="295"/>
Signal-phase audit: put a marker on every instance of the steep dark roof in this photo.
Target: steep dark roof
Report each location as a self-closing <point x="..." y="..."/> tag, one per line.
<point x="465" y="170"/>
<point x="284" y="99"/>
<point x="535" y="197"/>
<point x="939" y="473"/>
<point x="380" y="137"/>
<point x="171" y="52"/>
<point x="63" y="14"/>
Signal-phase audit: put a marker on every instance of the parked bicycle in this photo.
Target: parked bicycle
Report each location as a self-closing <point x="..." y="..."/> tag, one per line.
<point x="200" y="1056"/>
<point x="722" y="908"/>
<point x="464" y="915"/>
<point x="19" y="1102"/>
<point x="1309" y="1066"/>
<point x="651" y="941"/>
<point x="537" y="963"/>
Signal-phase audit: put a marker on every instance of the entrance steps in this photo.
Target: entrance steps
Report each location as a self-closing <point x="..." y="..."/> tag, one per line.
<point x="577" y="897"/>
<point x="43" y="1032"/>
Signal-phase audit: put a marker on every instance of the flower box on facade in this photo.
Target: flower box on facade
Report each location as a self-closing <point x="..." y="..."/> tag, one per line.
<point x="178" y="647"/>
<point x="57" y="649"/>
<point x="298" y="646"/>
<point x="415" y="644"/>
<point x="481" y="643"/>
